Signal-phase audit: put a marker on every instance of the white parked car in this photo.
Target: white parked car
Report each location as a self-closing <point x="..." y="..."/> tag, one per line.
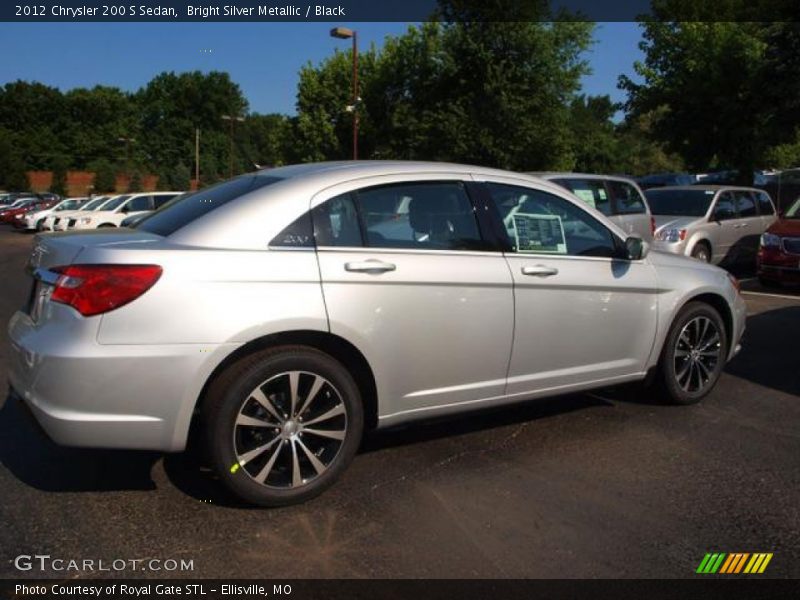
<point x="118" y="209"/>
<point x="34" y="221"/>
<point x="58" y="221"/>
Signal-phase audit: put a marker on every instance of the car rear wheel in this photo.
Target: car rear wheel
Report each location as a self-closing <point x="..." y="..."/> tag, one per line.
<point x="701" y="252"/>
<point x="282" y="425"/>
<point x="693" y="355"/>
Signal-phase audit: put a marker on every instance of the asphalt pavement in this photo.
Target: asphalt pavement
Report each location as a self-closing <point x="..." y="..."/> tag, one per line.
<point x="609" y="484"/>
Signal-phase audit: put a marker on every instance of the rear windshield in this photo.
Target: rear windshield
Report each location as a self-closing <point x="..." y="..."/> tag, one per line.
<point x="173" y="216"/>
<point x="679" y="203"/>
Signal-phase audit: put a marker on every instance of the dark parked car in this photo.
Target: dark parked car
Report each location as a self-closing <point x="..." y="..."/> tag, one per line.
<point x="779" y="252"/>
<point x="664" y="179"/>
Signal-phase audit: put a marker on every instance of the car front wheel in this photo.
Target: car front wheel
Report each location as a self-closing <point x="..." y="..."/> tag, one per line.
<point x="701" y="252"/>
<point x="282" y="425"/>
<point x="693" y="355"/>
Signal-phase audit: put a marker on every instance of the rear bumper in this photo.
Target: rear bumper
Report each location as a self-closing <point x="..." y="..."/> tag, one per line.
<point x="106" y="396"/>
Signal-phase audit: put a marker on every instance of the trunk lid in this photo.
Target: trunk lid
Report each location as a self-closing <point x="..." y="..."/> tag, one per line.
<point x="62" y="249"/>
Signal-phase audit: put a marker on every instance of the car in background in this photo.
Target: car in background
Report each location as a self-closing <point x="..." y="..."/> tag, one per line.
<point x="619" y="198"/>
<point x="58" y="221"/>
<point x="779" y="250"/>
<point x="665" y="179"/>
<point x="17" y="210"/>
<point x="712" y="223"/>
<point x="9" y="198"/>
<point x="34" y="220"/>
<point x="114" y="212"/>
<point x="282" y="313"/>
<point x="784" y="188"/>
<point x="133" y="221"/>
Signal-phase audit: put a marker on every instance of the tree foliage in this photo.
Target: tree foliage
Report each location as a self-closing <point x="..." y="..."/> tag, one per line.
<point x="722" y="93"/>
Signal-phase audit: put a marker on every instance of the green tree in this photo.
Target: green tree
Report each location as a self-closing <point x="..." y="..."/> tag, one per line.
<point x="179" y="178"/>
<point x="105" y="176"/>
<point x="717" y="89"/>
<point x="59" y="182"/>
<point x="484" y="92"/>
<point x="135" y="184"/>
<point x="595" y="141"/>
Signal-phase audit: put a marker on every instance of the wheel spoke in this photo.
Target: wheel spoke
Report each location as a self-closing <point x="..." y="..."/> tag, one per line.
<point x="248" y="421"/>
<point x="294" y="378"/>
<point x="297" y="478"/>
<point x="714" y="340"/>
<point x="262" y="475"/>
<point x="315" y="388"/>
<point x="315" y="462"/>
<point x="258" y="451"/>
<point x="703" y="370"/>
<point x="259" y="397"/>
<point x="326" y="433"/>
<point x="334" y="412"/>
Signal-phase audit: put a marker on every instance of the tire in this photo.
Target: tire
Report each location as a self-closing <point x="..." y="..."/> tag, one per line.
<point x="259" y="454"/>
<point x="701" y="252"/>
<point x="105" y="225"/>
<point x="691" y="360"/>
<point x="40" y="225"/>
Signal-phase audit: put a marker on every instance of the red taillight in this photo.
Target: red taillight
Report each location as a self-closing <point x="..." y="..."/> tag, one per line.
<point x="652" y="225"/>
<point x="97" y="289"/>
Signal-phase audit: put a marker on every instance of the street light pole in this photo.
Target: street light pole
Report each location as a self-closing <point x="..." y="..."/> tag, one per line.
<point x="231" y="119"/>
<point x="344" y="33"/>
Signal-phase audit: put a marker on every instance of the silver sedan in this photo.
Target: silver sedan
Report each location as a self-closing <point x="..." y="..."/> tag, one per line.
<point x="284" y="312"/>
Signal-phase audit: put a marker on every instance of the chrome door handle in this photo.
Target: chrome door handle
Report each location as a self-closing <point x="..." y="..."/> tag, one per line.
<point x="369" y="266"/>
<point x="740" y="225"/>
<point x="540" y="271"/>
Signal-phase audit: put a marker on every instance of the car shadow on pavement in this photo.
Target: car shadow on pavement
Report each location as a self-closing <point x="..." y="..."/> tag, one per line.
<point x="38" y="462"/>
<point x="480" y="420"/>
<point x="190" y="473"/>
<point x="769" y="350"/>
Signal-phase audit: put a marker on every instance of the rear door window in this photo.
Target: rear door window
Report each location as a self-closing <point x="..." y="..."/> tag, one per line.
<point x="764" y="205"/>
<point x="627" y="199"/>
<point x="419" y="215"/>
<point x="591" y="191"/>
<point x="745" y="205"/>
<point x="138" y="204"/>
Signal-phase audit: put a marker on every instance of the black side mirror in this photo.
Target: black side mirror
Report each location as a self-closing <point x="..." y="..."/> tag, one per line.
<point x="635" y="248"/>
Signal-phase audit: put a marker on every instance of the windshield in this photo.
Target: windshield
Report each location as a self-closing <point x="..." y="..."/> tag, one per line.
<point x="115" y="202"/>
<point x="794" y="211"/>
<point x="679" y="203"/>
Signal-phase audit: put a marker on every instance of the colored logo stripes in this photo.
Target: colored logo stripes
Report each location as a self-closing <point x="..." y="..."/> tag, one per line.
<point x="734" y="563"/>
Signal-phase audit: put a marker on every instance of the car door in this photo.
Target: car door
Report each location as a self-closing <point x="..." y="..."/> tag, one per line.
<point x="408" y="278"/>
<point x="725" y="231"/>
<point x="749" y="225"/>
<point x="766" y="209"/>
<point x="630" y="209"/>
<point x="583" y="316"/>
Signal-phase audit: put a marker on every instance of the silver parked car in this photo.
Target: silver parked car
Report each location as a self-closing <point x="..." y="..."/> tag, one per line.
<point x="619" y="198"/>
<point x="712" y="223"/>
<point x="284" y="312"/>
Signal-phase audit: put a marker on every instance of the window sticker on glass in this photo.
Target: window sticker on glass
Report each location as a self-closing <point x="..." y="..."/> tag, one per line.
<point x="602" y="193"/>
<point x="587" y="196"/>
<point x="539" y="233"/>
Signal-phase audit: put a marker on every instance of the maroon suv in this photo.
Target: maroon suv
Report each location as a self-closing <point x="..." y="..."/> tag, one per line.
<point x="779" y="252"/>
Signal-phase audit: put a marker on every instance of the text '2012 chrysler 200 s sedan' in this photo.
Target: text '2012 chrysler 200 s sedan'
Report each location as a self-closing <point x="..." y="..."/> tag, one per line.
<point x="284" y="312"/>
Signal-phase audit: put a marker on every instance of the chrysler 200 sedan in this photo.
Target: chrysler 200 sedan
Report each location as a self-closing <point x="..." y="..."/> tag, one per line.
<point x="282" y="313"/>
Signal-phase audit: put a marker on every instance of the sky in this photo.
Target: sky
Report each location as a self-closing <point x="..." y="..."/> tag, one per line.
<point x="263" y="58"/>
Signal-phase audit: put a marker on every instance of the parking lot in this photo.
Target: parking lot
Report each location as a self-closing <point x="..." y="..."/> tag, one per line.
<point x="595" y="485"/>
